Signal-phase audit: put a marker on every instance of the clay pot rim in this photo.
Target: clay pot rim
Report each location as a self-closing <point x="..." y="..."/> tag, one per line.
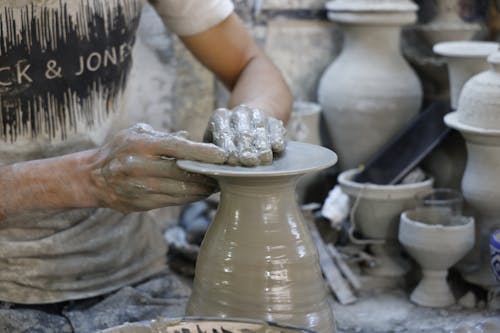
<point x="451" y="120"/>
<point x="406" y="217"/>
<point x="466" y="49"/>
<point x="376" y="191"/>
<point x="370" y="6"/>
<point x="298" y="159"/>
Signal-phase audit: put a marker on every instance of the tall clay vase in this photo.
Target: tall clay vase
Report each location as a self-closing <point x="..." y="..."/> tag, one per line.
<point x="258" y="259"/>
<point x="375" y="214"/>
<point x="436" y="247"/>
<point x="478" y="119"/>
<point x="303" y="126"/>
<point x="369" y="92"/>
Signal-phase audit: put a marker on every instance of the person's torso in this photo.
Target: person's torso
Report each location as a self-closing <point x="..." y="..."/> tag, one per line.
<point x="63" y="72"/>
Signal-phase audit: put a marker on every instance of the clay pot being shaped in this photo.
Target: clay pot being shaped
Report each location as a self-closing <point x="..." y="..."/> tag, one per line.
<point x="478" y="120"/>
<point x="447" y="25"/>
<point x="303" y="126"/>
<point x="369" y="93"/>
<point x="495" y="253"/>
<point x="464" y="59"/>
<point x="436" y="248"/>
<point x="375" y="213"/>
<point x="258" y="259"/>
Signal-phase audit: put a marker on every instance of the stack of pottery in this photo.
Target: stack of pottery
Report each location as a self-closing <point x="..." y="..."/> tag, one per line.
<point x="447" y="24"/>
<point x="258" y="259"/>
<point x="436" y="247"/>
<point x="478" y="120"/>
<point x="464" y="59"/>
<point x="369" y="93"/>
<point x="375" y="214"/>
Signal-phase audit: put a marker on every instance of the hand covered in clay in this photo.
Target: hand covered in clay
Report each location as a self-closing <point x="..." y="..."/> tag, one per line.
<point x="137" y="169"/>
<point x="247" y="135"/>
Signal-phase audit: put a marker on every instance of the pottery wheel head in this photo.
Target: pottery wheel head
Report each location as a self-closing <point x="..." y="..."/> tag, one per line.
<point x="298" y="158"/>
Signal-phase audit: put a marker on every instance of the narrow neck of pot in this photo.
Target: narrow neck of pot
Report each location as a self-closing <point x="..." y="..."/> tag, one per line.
<point x="259" y="203"/>
<point x="372" y="40"/>
<point x="258" y="189"/>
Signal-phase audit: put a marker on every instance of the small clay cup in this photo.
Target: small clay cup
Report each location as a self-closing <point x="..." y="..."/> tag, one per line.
<point x="439" y="205"/>
<point x="436" y="248"/>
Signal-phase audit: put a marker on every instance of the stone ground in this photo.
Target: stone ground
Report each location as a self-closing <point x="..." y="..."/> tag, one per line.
<point x="391" y="312"/>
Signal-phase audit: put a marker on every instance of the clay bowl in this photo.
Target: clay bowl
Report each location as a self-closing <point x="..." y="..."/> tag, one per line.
<point x="375" y="213"/>
<point x="379" y="206"/>
<point x="436" y="247"/>
<point x="495" y="253"/>
<point x="198" y="324"/>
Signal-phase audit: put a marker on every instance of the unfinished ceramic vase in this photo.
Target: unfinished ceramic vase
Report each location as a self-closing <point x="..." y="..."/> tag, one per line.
<point x="303" y="126"/>
<point x="436" y="247"/>
<point x="369" y="92"/>
<point x="464" y="59"/>
<point x="258" y="259"/>
<point x="447" y="25"/>
<point x="478" y="119"/>
<point x="375" y="213"/>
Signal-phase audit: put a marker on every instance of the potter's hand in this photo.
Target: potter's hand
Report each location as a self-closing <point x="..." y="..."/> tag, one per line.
<point x="247" y="135"/>
<point x="136" y="170"/>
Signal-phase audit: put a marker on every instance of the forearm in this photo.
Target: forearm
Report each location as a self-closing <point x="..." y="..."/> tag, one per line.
<point x="46" y="185"/>
<point x="260" y="85"/>
<point x="230" y="52"/>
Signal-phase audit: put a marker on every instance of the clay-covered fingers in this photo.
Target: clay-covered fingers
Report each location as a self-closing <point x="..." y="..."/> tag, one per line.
<point x="261" y="140"/>
<point x="222" y="134"/>
<point x="244" y="133"/>
<point x="177" y="146"/>
<point x="248" y="135"/>
<point x="136" y="169"/>
<point x="157" y="167"/>
<point x="143" y="140"/>
<point x="277" y="133"/>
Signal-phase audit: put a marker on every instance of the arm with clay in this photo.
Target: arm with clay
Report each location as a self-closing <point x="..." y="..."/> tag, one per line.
<point x="134" y="171"/>
<point x="260" y="99"/>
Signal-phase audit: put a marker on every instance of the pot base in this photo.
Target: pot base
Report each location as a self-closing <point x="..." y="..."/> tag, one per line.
<point x="433" y="290"/>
